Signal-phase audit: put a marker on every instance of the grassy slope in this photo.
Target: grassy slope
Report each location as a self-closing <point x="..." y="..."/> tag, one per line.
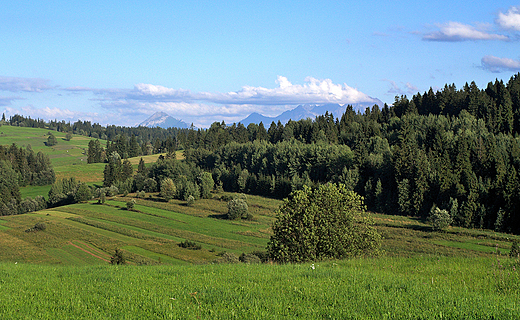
<point x="151" y="233"/>
<point x="68" y="157"/>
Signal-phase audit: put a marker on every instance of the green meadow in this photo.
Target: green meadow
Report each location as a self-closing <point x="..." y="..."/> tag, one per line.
<point x="63" y="272"/>
<point x="422" y="287"/>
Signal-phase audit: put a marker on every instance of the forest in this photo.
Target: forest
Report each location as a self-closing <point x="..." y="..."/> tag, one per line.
<point x="454" y="149"/>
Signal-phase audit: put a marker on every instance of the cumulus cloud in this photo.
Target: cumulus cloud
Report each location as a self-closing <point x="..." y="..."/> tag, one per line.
<point x="510" y="19"/>
<point x="15" y="84"/>
<point x="496" y="64"/>
<point x="456" y="31"/>
<point x="313" y="91"/>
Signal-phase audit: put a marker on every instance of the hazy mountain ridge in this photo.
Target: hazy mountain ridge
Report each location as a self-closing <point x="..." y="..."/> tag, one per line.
<point x="305" y="111"/>
<point x="163" y="120"/>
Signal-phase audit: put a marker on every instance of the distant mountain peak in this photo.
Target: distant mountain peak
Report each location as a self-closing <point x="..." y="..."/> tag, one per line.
<point x="163" y="120"/>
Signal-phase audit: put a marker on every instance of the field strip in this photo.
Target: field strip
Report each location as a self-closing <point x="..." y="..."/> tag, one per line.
<point x="106" y="233"/>
<point x="80" y="248"/>
<point x="466" y="246"/>
<point x="155" y="256"/>
<point x="92" y="249"/>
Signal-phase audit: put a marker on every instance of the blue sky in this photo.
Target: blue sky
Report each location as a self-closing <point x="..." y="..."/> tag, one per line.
<point x="118" y="62"/>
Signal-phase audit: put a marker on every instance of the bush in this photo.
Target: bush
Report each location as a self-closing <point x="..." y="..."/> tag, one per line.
<point x="439" y="219"/>
<point x="191" y="245"/>
<point x="228" y="257"/>
<point x="40" y="226"/>
<point x="237" y="209"/>
<point x="168" y="189"/>
<point x="83" y="193"/>
<point x="51" y="140"/>
<point x="130" y="205"/>
<point x="118" y="257"/>
<point x="329" y="222"/>
<point x="190" y="201"/>
<point x="249" y="258"/>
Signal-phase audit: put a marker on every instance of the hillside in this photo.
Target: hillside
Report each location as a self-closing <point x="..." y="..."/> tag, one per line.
<point x="67" y="157"/>
<point x="89" y="233"/>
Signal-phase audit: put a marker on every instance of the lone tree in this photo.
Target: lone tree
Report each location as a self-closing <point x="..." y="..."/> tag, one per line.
<point x="329" y="222"/>
<point x="237" y="209"/>
<point x="51" y="140"/>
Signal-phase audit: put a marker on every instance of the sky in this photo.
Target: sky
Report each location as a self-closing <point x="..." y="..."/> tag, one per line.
<point x="118" y="62"/>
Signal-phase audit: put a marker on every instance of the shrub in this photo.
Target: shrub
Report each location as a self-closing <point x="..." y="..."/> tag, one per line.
<point x="190" y="201"/>
<point x="328" y="222"/>
<point x="83" y="193"/>
<point x="118" y="257"/>
<point x="112" y="191"/>
<point x="249" y="258"/>
<point x="237" y="209"/>
<point x="439" y="219"/>
<point x="51" y="140"/>
<point x="130" y="204"/>
<point x="191" y="245"/>
<point x="228" y="257"/>
<point x="40" y="226"/>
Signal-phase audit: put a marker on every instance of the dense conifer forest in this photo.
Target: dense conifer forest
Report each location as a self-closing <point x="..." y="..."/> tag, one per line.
<point x="453" y="149"/>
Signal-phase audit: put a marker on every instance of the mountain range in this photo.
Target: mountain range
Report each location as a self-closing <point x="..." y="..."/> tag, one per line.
<point x="305" y="111"/>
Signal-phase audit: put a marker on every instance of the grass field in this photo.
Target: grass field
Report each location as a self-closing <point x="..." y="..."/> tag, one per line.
<point x="384" y="288"/>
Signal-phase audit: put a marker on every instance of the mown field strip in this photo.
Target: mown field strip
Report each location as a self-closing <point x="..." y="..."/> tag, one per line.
<point x="160" y="258"/>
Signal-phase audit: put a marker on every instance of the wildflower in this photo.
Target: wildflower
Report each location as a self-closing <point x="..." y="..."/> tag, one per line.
<point x="312" y="266"/>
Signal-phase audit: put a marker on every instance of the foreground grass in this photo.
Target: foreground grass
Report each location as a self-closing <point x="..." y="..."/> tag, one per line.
<point x="427" y="287"/>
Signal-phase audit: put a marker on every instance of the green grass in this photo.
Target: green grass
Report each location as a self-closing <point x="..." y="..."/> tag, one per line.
<point x="383" y="288"/>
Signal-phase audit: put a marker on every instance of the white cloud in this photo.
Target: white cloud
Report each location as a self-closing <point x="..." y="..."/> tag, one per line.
<point x="395" y="89"/>
<point x="509" y="20"/>
<point x="145" y="99"/>
<point x="156" y="92"/>
<point x="456" y="31"/>
<point x="132" y="106"/>
<point x="313" y="91"/>
<point x="7" y="101"/>
<point x="15" y="84"/>
<point x="496" y="64"/>
<point x="411" y="88"/>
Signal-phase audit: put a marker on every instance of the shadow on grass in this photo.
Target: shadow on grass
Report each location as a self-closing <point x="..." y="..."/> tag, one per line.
<point x="222" y="216"/>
